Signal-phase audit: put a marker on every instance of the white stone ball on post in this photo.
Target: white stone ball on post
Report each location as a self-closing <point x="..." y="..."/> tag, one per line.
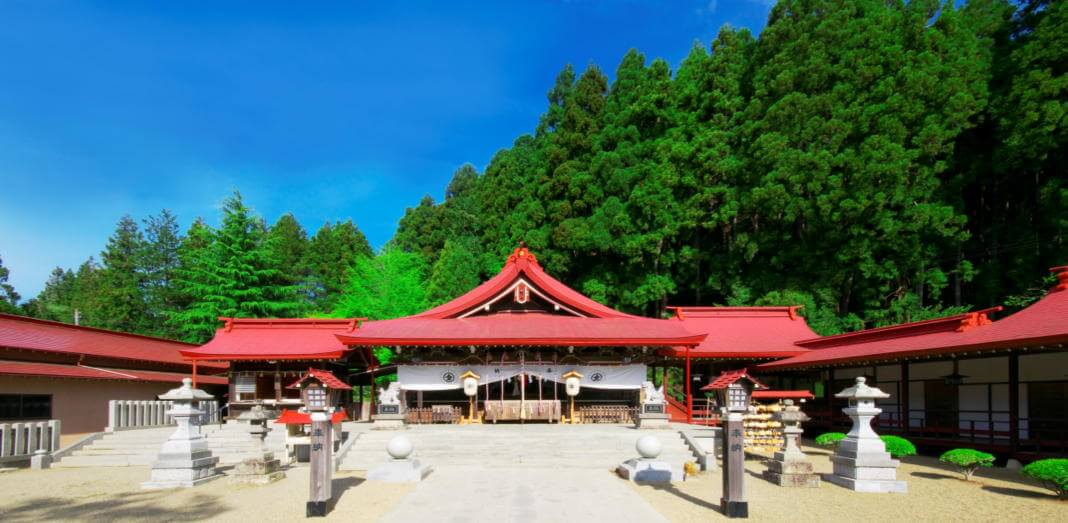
<point x="648" y="447"/>
<point x="400" y="447"/>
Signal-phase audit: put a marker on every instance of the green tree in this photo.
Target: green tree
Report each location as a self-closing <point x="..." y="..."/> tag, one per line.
<point x="121" y="305"/>
<point x="235" y="276"/>
<point x="288" y="242"/>
<point x="331" y="254"/>
<point x="161" y="261"/>
<point x="389" y="285"/>
<point x="9" y="299"/>
<point x="454" y="273"/>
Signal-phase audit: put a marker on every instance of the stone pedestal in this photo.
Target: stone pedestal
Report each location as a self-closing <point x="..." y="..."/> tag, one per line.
<point x="647" y="469"/>
<point x="653" y="420"/>
<point x="789" y="467"/>
<point x="184" y="459"/>
<point x="388" y="421"/>
<point x="262" y="467"/>
<point x="861" y="462"/>
<point x="41" y="460"/>
<point x="400" y="468"/>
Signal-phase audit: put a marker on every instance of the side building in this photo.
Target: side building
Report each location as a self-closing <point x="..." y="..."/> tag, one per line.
<point x="57" y="371"/>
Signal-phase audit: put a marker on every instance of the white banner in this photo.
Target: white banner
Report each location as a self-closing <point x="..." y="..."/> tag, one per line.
<point x="447" y="377"/>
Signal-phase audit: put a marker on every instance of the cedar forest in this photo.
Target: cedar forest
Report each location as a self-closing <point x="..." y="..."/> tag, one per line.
<point x="874" y="161"/>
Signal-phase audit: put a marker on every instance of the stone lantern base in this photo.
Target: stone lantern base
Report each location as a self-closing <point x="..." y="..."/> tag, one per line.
<point x="258" y="470"/>
<point x="874" y="472"/>
<point x="183" y="471"/>
<point x="790" y="473"/>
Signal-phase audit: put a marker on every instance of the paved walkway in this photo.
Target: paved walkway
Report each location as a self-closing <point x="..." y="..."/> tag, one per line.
<point x="461" y="495"/>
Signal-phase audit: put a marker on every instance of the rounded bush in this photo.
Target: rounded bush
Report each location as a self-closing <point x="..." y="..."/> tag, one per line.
<point x="1052" y="473"/>
<point x="829" y="439"/>
<point x="967" y="460"/>
<point x="898" y="447"/>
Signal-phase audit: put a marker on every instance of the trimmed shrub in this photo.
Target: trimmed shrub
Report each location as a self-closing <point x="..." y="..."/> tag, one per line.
<point x="898" y="447"/>
<point x="1051" y="473"/>
<point x="829" y="439"/>
<point x="967" y="460"/>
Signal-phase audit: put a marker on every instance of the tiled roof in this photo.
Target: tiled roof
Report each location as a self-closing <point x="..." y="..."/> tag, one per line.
<point x="51" y="370"/>
<point x="325" y="376"/>
<point x="275" y="339"/>
<point x="742" y="332"/>
<point x="19" y="332"/>
<point x="727" y="377"/>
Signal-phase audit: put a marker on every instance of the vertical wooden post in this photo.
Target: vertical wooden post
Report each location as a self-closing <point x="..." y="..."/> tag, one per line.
<point x="194" y="374"/>
<point x="373" y="393"/>
<point x="689" y="387"/>
<point x="322" y="450"/>
<point x="277" y="382"/>
<point x="1014" y="403"/>
<point x="828" y="392"/>
<point x="733" y="504"/>
<point x="903" y="398"/>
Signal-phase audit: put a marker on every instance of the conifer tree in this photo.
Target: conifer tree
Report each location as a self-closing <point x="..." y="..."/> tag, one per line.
<point x="236" y="276"/>
<point x="121" y="305"/>
<point x="9" y="299"/>
<point x="332" y="253"/>
<point x="389" y="285"/>
<point x="454" y="273"/>
<point x="161" y="262"/>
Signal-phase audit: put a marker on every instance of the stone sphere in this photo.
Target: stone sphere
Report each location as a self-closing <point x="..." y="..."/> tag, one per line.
<point x="400" y="447"/>
<point x="648" y="447"/>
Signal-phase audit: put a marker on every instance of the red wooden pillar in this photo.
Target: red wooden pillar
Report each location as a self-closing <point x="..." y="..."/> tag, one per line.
<point x="689" y="386"/>
<point x="194" y="374"/>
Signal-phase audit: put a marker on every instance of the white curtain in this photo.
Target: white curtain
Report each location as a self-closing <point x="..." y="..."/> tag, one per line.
<point x="447" y="377"/>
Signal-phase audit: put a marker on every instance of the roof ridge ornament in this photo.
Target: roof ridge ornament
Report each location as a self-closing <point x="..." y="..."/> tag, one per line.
<point x="973" y="319"/>
<point x="1062" y="277"/>
<point x="522" y="253"/>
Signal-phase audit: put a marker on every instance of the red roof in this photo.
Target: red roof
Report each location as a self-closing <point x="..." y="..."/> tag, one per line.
<point x="575" y="320"/>
<point x="1043" y="323"/>
<point x="325" y="376"/>
<point x="742" y="332"/>
<point x="727" y="377"/>
<point x="522" y="329"/>
<point x="20" y="332"/>
<point x="50" y="370"/>
<point x="275" y="339"/>
<point x="522" y="264"/>
<point x="783" y="395"/>
<point x="292" y="417"/>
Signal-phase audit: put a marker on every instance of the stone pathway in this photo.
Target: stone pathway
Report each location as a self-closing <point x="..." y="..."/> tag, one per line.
<point x="461" y="495"/>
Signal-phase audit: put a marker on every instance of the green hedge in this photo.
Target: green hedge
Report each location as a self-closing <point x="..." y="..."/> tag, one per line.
<point x="1052" y="473"/>
<point x="967" y="460"/>
<point x="829" y="439"/>
<point x="898" y="447"/>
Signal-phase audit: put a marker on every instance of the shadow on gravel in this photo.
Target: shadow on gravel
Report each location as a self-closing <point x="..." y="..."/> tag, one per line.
<point x="145" y="505"/>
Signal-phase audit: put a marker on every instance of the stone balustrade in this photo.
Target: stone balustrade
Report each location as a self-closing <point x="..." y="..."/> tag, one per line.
<point x="19" y="440"/>
<point x="137" y="414"/>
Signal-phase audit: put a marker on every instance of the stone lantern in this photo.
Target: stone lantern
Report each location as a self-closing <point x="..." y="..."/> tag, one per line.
<point x="789" y="467"/>
<point x="861" y="462"/>
<point x="572" y="385"/>
<point x="184" y="459"/>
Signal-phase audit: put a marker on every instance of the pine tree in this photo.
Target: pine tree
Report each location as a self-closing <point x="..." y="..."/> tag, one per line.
<point x="454" y="273"/>
<point x="332" y="253"/>
<point x="288" y="242"/>
<point x="9" y="299"/>
<point x="236" y="276"/>
<point x="121" y="305"/>
<point x="161" y="261"/>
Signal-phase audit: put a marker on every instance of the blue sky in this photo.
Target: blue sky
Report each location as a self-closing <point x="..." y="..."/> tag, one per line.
<point x="330" y="111"/>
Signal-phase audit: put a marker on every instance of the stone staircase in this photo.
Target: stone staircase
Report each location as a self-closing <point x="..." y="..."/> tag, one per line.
<point x="600" y="447"/>
<point x="229" y="441"/>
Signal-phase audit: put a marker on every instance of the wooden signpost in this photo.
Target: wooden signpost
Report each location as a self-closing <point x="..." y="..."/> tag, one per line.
<point x="734" y="388"/>
<point x="322" y="448"/>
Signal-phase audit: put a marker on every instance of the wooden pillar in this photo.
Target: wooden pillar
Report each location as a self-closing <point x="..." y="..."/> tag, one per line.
<point x="194" y="374"/>
<point x="277" y="382"/>
<point x="829" y="394"/>
<point x="373" y="395"/>
<point x="1014" y="403"/>
<point x="903" y="397"/>
<point x="689" y="387"/>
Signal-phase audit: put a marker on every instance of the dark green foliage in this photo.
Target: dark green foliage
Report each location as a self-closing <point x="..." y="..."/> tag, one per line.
<point x="121" y="301"/>
<point x="830" y="439"/>
<point x="898" y="447"/>
<point x="1051" y="473"/>
<point x="160" y="263"/>
<point x="331" y="254"/>
<point x="236" y="275"/>
<point x="9" y="299"/>
<point x="455" y="273"/>
<point x="967" y="461"/>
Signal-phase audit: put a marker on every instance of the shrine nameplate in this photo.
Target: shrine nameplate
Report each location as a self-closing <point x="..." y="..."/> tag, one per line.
<point x="389" y="409"/>
<point x="654" y="408"/>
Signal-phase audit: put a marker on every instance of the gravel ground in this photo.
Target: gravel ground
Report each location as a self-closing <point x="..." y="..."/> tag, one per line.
<point x="935" y="494"/>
